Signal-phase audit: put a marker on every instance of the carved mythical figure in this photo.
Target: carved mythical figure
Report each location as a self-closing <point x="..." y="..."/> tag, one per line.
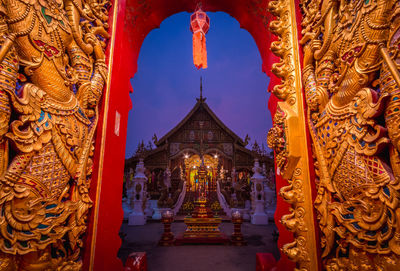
<point x="52" y="73"/>
<point x="351" y="80"/>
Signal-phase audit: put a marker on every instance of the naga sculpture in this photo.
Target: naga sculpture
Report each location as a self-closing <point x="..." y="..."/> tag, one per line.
<point x="52" y="74"/>
<point x="352" y="88"/>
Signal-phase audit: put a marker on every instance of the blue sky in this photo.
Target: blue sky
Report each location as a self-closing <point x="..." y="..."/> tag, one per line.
<point x="166" y="84"/>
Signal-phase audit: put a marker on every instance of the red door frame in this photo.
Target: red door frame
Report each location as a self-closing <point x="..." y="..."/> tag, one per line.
<point x="130" y="23"/>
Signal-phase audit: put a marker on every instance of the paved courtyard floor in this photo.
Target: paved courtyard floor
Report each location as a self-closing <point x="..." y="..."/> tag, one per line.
<point x="197" y="257"/>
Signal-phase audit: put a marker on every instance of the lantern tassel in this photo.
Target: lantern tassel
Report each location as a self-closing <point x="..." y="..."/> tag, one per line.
<point x="199" y="50"/>
<point x="199" y="25"/>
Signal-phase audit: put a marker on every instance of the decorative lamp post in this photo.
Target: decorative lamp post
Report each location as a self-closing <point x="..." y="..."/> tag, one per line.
<point x="259" y="217"/>
<point x="199" y="25"/>
<point x="137" y="195"/>
<point x="167" y="238"/>
<point x="237" y="236"/>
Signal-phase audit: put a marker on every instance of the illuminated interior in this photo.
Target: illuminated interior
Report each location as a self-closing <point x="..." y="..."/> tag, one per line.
<point x="192" y="164"/>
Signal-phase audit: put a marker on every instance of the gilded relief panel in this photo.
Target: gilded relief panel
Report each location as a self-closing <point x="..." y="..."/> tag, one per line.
<point x="52" y="74"/>
<point x="351" y="82"/>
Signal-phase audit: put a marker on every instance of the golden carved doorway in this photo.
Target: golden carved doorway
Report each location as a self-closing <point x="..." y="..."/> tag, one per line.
<point x="192" y="164"/>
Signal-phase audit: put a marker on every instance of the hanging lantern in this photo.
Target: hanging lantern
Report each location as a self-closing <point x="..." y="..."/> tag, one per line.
<point x="199" y="25"/>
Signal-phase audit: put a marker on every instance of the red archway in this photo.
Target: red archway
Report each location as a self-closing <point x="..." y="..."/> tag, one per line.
<point x="133" y="20"/>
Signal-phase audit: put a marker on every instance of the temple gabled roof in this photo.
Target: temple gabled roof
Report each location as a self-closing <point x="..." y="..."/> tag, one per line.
<point x="201" y="103"/>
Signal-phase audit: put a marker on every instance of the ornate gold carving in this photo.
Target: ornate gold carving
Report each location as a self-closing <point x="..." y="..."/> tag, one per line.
<point x="293" y="193"/>
<point x="296" y="221"/>
<point x="351" y="81"/>
<point x="288" y="138"/>
<point x="285" y="126"/>
<point x="297" y="251"/>
<point x="277" y="141"/>
<point x="283" y="48"/>
<point x="52" y="74"/>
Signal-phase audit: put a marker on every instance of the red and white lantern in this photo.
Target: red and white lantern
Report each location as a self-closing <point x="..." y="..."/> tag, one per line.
<point x="199" y="25"/>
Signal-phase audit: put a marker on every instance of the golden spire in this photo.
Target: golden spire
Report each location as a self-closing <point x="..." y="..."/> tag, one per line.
<point x="201" y="99"/>
<point x="201" y="88"/>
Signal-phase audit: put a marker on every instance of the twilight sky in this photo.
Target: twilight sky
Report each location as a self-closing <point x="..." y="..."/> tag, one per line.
<point x="166" y="84"/>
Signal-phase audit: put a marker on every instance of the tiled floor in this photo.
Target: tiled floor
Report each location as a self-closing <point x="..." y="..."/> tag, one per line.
<point x="197" y="257"/>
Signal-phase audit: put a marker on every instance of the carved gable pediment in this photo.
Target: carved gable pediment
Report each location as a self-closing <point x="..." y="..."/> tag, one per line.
<point x="201" y="124"/>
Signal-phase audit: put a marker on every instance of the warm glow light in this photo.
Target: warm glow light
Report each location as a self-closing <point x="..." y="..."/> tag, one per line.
<point x="194" y="166"/>
<point x="199" y="25"/>
<point x="208" y="166"/>
<point x="186" y="156"/>
<point x="215" y="156"/>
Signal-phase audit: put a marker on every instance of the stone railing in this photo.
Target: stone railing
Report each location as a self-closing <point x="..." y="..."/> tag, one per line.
<point x="222" y="201"/>
<point x="180" y="200"/>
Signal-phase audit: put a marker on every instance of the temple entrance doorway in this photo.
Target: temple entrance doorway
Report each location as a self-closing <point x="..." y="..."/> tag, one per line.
<point x="208" y="136"/>
<point x="192" y="165"/>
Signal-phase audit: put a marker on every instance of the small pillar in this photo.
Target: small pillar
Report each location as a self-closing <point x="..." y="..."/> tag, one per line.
<point x="167" y="238"/>
<point x="137" y="216"/>
<point x="259" y="217"/>
<point x="237" y="236"/>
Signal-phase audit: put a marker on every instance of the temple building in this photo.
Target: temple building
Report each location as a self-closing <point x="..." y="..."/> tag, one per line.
<point x="173" y="165"/>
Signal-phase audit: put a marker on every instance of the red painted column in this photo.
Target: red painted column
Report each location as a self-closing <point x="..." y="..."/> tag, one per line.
<point x="103" y="241"/>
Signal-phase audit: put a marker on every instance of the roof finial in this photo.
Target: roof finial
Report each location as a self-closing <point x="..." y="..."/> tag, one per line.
<point x="201" y="87"/>
<point x="201" y="99"/>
